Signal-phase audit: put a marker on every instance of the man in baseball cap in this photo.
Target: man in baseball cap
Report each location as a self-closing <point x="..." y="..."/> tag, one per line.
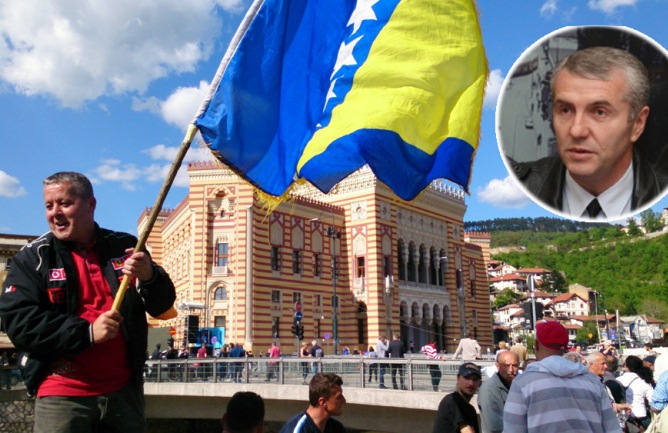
<point x="455" y="412"/>
<point x="582" y="398"/>
<point x="552" y="335"/>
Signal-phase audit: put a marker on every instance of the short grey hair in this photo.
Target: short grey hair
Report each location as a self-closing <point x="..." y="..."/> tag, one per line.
<point x="77" y="183"/>
<point x="594" y="356"/>
<point x="600" y="62"/>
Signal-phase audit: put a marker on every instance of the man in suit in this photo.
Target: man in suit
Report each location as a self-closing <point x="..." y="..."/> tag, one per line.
<point x="600" y="98"/>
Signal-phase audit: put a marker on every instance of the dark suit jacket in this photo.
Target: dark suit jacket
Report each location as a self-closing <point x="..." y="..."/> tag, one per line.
<point x="545" y="179"/>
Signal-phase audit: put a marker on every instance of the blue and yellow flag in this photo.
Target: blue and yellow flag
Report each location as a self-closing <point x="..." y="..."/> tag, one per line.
<point x="316" y="89"/>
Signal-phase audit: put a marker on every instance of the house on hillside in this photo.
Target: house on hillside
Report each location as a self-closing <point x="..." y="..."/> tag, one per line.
<point x="567" y="305"/>
<point x="515" y="282"/>
<point x="641" y="328"/>
<point x="497" y="268"/>
<point x="572" y="331"/>
<point x="542" y="297"/>
<point x="538" y="274"/>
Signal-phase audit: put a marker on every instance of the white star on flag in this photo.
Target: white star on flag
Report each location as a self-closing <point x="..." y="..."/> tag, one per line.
<point x="345" y="56"/>
<point x="363" y="11"/>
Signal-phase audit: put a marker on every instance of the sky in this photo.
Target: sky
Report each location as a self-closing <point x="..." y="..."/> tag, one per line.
<point x="108" y="89"/>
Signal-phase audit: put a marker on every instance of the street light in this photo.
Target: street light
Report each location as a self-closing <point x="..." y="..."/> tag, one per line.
<point x="334" y="234"/>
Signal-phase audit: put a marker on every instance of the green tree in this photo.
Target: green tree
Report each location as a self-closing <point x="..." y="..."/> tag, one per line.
<point x="654" y="308"/>
<point x="555" y="282"/>
<point x="651" y="221"/>
<point x="583" y="334"/>
<point x="505" y="297"/>
<point x="633" y="229"/>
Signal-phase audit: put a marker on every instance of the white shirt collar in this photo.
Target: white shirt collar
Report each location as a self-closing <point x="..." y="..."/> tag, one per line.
<point x="614" y="201"/>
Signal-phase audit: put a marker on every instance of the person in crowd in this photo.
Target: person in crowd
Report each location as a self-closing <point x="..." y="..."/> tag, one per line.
<point x="502" y="346"/>
<point x="237" y="351"/>
<point x="157" y="354"/>
<point x="396" y="350"/>
<point x="608" y="349"/>
<point x="494" y="391"/>
<point x="660" y="395"/>
<point x="596" y="364"/>
<point x="600" y="97"/>
<point x="244" y="413"/>
<point x="56" y="307"/>
<point x="583" y="403"/>
<point x="304" y="352"/>
<point x="660" y="365"/>
<point x="455" y="412"/>
<point x="649" y="361"/>
<point x="611" y="367"/>
<point x="468" y="348"/>
<point x="316" y="353"/>
<point x="638" y="382"/>
<point x="575" y="357"/>
<point x="5" y="372"/>
<point x="201" y="366"/>
<point x="519" y="349"/>
<point x="526" y="363"/>
<point x="326" y="400"/>
<point x="373" y="366"/>
<point x="272" y="366"/>
<point x="431" y="352"/>
<point x="381" y="351"/>
<point x="649" y="348"/>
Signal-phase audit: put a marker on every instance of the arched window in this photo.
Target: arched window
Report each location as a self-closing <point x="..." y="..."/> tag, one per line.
<point x="220" y="294"/>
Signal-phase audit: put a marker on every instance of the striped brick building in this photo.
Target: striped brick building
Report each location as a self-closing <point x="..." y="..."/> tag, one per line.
<point x="402" y="267"/>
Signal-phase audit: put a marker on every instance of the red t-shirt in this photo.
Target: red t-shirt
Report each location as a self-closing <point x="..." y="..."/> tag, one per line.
<point x="102" y="368"/>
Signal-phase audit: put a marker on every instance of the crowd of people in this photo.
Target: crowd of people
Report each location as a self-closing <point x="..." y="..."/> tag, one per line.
<point x="561" y="389"/>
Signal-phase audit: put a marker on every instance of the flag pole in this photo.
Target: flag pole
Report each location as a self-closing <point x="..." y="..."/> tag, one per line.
<point x="157" y="207"/>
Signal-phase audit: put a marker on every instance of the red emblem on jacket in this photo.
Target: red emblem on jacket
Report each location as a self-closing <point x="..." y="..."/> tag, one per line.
<point x="57" y="274"/>
<point x="56" y="295"/>
<point x="119" y="262"/>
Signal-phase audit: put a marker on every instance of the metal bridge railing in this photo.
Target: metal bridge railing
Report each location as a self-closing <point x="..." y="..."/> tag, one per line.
<point x="356" y="371"/>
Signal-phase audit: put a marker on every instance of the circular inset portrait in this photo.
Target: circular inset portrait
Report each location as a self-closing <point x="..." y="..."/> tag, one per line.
<point x="582" y="122"/>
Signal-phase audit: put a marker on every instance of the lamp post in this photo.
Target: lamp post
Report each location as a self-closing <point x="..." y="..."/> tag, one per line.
<point x="334" y="234"/>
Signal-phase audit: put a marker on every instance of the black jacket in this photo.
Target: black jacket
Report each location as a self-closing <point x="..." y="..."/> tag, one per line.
<point x="545" y="179"/>
<point x="39" y="301"/>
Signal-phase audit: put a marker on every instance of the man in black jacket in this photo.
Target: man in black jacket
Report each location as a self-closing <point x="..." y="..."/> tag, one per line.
<point x="396" y="350"/>
<point x="83" y="360"/>
<point x="600" y="109"/>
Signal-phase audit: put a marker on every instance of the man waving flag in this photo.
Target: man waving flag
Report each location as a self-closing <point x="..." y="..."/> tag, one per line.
<point x="316" y="89"/>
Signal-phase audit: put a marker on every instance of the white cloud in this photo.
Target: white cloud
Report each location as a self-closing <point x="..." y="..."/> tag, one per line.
<point x="503" y="193"/>
<point x="609" y="6"/>
<point x="114" y="170"/>
<point x="549" y="8"/>
<point x="77" y="51"/>
<point x="179" y="108"/>
<point x="162" y="152"/>
<point x="492" y="89"/>
<point x="10" y="186"/>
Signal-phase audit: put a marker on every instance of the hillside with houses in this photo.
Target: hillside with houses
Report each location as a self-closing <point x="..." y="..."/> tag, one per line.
<point x="601" y="282"/>
<point x="575" y="309"/>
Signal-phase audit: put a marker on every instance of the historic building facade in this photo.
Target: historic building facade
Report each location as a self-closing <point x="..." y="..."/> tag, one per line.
<point x="401" y="267"/>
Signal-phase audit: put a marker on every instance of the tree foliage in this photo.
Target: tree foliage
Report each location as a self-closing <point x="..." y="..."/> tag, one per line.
<point x="583" y="334"/>
<point x="651" y="221"/>
<point x="505" y="297"/>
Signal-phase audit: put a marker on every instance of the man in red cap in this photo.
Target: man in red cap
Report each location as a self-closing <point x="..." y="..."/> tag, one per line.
<point x="556" y="394"/>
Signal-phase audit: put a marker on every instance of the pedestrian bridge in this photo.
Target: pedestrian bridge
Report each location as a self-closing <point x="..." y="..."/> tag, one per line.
<point x="180" y="389"/>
